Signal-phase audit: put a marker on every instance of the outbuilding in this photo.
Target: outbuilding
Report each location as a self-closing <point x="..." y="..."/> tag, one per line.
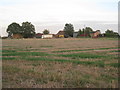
<point x="60" y="34"/>
<point x="47" y="36"/>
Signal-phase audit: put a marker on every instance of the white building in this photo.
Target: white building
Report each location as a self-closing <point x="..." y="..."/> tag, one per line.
<point x="47" y="36"/>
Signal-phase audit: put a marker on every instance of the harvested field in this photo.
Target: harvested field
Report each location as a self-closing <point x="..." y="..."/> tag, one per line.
<point x="60" y="63"/>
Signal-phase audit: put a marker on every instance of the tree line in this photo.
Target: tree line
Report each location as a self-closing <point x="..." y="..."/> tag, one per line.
<point x="28" y="30"/>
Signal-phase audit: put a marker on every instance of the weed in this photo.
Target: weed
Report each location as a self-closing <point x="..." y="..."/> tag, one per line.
<point x="108" y="78"/>
<point x="11" y="69"/>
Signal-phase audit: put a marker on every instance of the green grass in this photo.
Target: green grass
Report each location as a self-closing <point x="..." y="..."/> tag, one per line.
<point x="26" y="54"/>
<point x="73" y="56"/>
<point x="9" y="58"/>
<point x="46" y="46"/>
<point x="84" y="50"/>
<point x="71" y="50"/>
<point x="115" y="51"/>
<point x="82" y="55"/>
<point x="110" y="48"/>
<point x="117" y="65"/>
<point x="96" y="63"/>
<point x="8" y="51"/>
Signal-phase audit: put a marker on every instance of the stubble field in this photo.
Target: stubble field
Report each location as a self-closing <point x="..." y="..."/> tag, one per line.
<point x="60" y="63"/>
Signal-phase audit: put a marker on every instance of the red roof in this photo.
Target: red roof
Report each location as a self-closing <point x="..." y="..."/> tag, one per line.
<point x="60" y="33"/>
<point x="39" y="34"/>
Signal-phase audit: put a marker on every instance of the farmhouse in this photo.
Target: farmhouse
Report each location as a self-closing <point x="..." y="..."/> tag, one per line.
<point x="17" y="36"/>
<point x="95" y="34"/>
<point x="60" y="34"/>
<point x="47" y="36"/>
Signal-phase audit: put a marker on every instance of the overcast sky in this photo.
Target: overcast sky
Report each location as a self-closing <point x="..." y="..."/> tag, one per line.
<point x="53" y="14"/>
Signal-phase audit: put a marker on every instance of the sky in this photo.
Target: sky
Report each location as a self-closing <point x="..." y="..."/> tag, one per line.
<point x="54" y="14"/>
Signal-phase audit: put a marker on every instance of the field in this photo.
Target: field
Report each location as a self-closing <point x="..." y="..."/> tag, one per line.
<point x="60" y="63"/>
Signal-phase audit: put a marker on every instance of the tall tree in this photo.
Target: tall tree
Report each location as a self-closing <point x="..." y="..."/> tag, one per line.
<point x="69" y="30"/>
<point x="14" y="28"/>
<point x="80" y="32"/>
<point x="28" y="30"/>
<point x="88" y="30"/>
<point x="46" y="31"/>
<point x="111" y="33"/>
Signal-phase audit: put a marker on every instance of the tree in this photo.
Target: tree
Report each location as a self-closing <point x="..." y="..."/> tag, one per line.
<point x="88" y="30"/>
<point x="69" y="30"/>
<point x="85" y="31"/>
<point x="14" y="28"/>
<point x="28" y="30"/>
<point x="110" y="33"/>
<point x="80" y="32"/>
<point x="46" y="31"/>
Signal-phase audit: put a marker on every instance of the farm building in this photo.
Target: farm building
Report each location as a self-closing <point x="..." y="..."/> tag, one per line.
<point x="60" y="34"/>
<point x="75" y="34"/>
<point x="38" y="35"/>
<point x="17" y="36"/>
<point x="47" y="36"/>
<point x="54" y="35"/>
<point x="95" y="34"/>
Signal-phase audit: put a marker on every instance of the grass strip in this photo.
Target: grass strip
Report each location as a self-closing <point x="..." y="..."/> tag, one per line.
<point x="117" y="65"/>
<point x="85" y="50"/>
<point x="46" y="46"/>
<point x="26" y="54"/>
<point x="8" y="51"/>
<point x="71" y="50"/>
<point x="9" y="58"/>
<point x="82" y="55"/>
<point x="115" y="51"/>
<point x="96" y="63"/>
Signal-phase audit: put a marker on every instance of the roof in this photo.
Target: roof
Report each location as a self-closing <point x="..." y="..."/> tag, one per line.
<point x="60" y="33"/>
<point x="39" y="34"/>
<point x="76" y="32"/>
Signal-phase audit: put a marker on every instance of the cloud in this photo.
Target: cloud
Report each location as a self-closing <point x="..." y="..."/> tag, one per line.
<point x="52" y="12"/>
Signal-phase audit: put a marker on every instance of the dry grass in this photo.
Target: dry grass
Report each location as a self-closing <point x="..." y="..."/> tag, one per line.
<point x="59" y="63"/>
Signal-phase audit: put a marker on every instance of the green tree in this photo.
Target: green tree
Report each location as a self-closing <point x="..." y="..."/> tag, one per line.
<point x="88" y="30"/>
<point x="28" y="30"/>
<point x="46" y="31"/>
<point x="80" y="32"/>
<point x="69" y="30"/>
<point x="111" y="33"/>
<point x="14" y="28"/>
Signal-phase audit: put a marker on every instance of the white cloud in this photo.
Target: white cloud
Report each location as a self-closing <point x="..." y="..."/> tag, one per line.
<point x="49" y="12"/>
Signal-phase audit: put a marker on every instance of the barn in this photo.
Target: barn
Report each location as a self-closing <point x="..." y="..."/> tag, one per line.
<point x="95" y="34"/>
<point x="60" y="34"/>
